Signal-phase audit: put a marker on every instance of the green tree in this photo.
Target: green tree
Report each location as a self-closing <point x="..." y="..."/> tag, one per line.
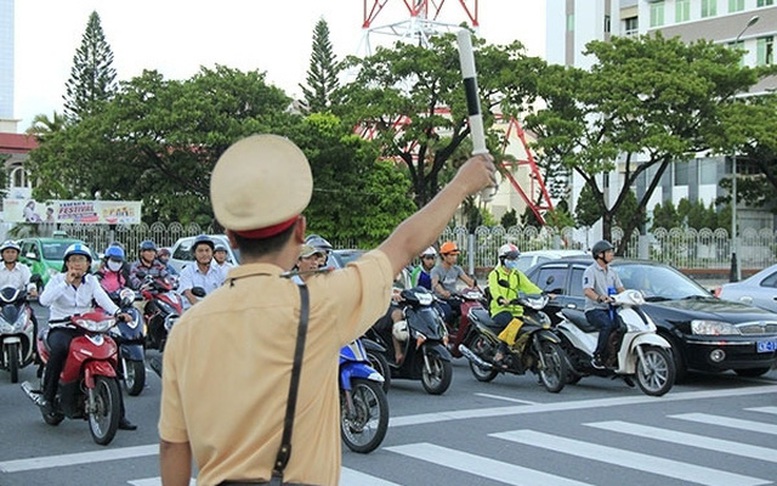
<point x="410" y="99"/>
<point x="589" y="208"/>
<point x="629" y="212"/>
<point x="92" y="77"/>
<point x="323" y="71"/>
<point x="509" y="219"/>
<point x="665" y="216"/>
<point x="43" y="127"/>
<point x="645" y="103"/>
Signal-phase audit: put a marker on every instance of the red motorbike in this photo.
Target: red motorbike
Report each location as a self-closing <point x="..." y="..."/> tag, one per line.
<point x="164" y="307"/>
<point x="471" y="298"/>
<point x="88" y="388"/>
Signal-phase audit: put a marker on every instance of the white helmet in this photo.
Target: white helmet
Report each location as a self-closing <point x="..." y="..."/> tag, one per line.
<point x="429" y="252"/>
<point x="400" y="331"/>
<point x="508" y="250"/>
<point x="10" y="245"/>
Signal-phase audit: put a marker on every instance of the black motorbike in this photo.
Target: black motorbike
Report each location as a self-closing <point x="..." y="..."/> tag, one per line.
<point x="536" y="348"/>
<point x="425" y="339"/>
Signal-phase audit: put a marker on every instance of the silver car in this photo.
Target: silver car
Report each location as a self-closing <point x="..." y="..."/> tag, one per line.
<point x="759" y="290"/>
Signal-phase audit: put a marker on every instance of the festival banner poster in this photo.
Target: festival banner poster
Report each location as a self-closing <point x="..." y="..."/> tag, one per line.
<point x="71" y="212"/>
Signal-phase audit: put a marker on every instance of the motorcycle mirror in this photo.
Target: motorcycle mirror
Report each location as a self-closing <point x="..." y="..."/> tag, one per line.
<point x="550" y="280"/>
<point x="198" y="291"/>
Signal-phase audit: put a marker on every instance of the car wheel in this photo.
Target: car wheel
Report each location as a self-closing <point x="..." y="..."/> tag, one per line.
<point x="680" y="366"/>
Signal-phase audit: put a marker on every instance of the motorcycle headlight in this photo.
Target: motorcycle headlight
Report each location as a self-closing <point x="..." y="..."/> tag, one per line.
<point x="713" y="328"/>
<point x="6" y="328"/>
<point x="96" y="326"/>
<point x="20" y="321"/>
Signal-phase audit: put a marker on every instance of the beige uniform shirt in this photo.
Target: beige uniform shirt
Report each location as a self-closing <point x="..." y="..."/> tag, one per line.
<point x="227" y="367"/>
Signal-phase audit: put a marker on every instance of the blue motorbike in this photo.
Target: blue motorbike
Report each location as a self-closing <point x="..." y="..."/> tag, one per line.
<point x="364" y="412"/>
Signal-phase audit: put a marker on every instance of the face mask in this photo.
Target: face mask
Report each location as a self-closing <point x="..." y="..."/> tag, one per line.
<point x="511" y="264"/>
<point x="114" y="266"/>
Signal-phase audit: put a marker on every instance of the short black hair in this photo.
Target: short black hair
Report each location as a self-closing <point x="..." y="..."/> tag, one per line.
<point x="255" y="248"/>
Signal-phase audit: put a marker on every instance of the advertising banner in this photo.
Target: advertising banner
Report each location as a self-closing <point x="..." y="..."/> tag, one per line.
<point x="69" y="212"/>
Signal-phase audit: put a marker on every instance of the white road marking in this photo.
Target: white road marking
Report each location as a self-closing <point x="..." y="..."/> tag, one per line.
<point x="481" y="466"/>
<point x="732" y="423"/>
<point x="763" y="409"/>
<point x="46" y="462"/>
<point x="692" y="440"/>
<point x="157" y="481"/>
<point x="633" y="460"/>
<point x="506" y="399"/>
<point x="350" y="477"/>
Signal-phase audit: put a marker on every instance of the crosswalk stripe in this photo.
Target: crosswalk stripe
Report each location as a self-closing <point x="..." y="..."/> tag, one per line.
<point x="693" y="440"/>
<point x="772" y="410"/>
<point x="46" y="462"/>
<point x="729" y="422"/>
<point x="351" y="477"/>
<point x="157" y="481"/>
<point x="481" y="466"/>
<point x="634" y="460"/>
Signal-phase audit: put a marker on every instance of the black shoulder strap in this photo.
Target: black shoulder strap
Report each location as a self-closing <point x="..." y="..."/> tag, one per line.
<point x="284" y="453"/>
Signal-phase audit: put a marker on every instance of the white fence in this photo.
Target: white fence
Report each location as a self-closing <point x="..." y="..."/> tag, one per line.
<point x="683" y="248"/>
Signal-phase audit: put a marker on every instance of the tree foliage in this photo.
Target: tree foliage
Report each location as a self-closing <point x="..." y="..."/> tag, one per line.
<point x="323" y="71"/>
<point x="645" y="102"/>
<point x="410" y="99"/>
<point x="92" y="77"/>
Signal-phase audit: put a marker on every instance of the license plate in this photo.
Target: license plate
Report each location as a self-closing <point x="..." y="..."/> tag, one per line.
<point x="767" y="346"/>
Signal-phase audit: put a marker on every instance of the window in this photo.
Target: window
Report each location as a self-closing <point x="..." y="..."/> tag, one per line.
<point x="607" y="26"/>
<point x="738" y="45"/>
<point x="571" y="23"/>
<point x="576" y="281"/>
<point x="631" y="26"/>
<point x="770" y="281"/>
<point x="551" y="278"/>
<point x="765" y="51"/>
<point x="709" y="8"/>
<point x="681" y="173"/>
<point x="657" y="14"/>
<point x="682" y="11"/>
<point x="764" y="3"/>
<point x="736" y="5"/>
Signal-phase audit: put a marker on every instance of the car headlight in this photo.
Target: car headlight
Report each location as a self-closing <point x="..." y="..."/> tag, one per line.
<point x="713" y="328"/>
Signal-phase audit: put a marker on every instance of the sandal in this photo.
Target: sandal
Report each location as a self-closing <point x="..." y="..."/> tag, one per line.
<point x="499" y="359"/>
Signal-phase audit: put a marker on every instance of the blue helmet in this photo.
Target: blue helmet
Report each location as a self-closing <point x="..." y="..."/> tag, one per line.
<point x="114" y="253"/>
<point x="203" y="240"/>
<point x="147" y="245"/>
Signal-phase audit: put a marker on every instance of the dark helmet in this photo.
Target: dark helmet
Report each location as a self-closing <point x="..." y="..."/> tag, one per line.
<point x="318" y="243"/>
<point x="601" y="247"/>
<point x="202" y="240"/>
<point x="114" y="253"/>
<point x="147" y="245"/>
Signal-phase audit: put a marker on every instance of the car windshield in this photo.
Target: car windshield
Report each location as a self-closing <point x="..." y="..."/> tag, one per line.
<point x="55" y="250"/>
<point x="659" y="282"/>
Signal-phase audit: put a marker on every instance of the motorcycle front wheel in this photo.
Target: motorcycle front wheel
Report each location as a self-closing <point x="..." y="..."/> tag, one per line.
<point x="12" y="355"/>
<point x="656" y="374"/>
<point x="380" y="363"/>
<point x="134" y="376"/>
<point x="364" y="428"/>
<point x="554" y="373"/>
<point x="104" y="418"/>
<point x="437" y="378"/>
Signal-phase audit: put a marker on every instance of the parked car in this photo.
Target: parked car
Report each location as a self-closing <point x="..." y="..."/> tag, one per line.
<point x="759" y="290"/>
<point x="706" y="333"/>
<point x="528" y="259"/>
<point x="343" y="257"/>
<point x="181" y="255"/>
<point x="44" y="256"/>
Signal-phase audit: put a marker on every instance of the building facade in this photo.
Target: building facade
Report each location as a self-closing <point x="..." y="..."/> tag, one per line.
<point x="6" y="61"/>
<point x="573" y="23"/>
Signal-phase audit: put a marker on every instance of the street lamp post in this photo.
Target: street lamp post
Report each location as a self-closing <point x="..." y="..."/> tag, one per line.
<point x="736" y="272"/>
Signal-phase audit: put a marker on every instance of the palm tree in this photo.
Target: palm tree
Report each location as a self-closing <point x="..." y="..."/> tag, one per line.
<point x="42" y="126"/>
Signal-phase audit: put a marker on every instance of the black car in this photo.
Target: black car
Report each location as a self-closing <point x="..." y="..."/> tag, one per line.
<point x="706" y="333"/>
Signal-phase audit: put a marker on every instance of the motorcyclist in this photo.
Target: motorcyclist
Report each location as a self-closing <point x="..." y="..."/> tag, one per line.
<point x="445" y="276"/>
<point x="68" y="293"/>
<point x="146" y="265"/>
<point x="220" y="258"/>
<point x="163" y="255"/>
<point x="421" y="275"/>
<point x="17" y="275"/>
<point x="322" y="245"/>
<point x="112" y="274"/>
<point x="201" y="273"/>
<point x="600" y="282"/>
<point x="505" y="282"/>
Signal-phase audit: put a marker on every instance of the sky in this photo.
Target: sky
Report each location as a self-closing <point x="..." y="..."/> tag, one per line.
<point x="176" y="37"/>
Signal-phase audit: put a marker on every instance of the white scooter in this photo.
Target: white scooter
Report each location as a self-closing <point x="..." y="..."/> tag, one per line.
<point x="636" y="350"/>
